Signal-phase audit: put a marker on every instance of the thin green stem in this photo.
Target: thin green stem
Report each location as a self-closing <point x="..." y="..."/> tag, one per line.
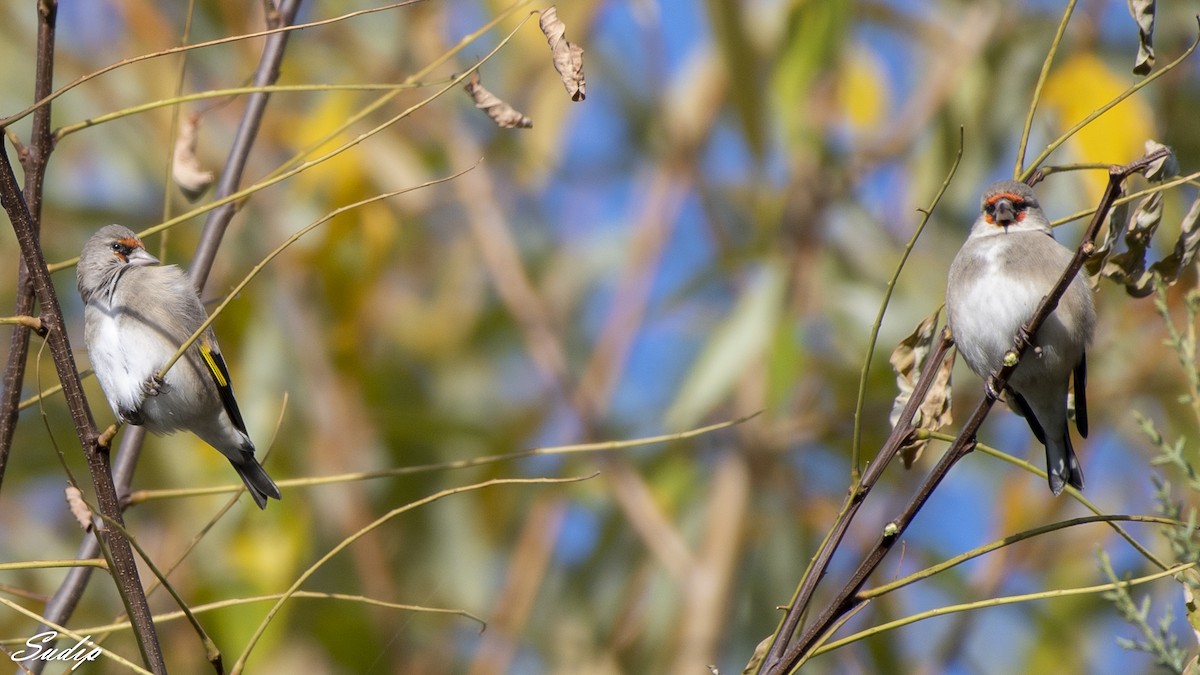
<point x="1041" y="82"/>
<point x="860" y="401"/>
<point x="280" y="249"/>
<point x="240" y="665"/>
<point x="8" y="121"/>
<point x="223" y="93"/>
<point x="999" y="602"/>
<point x="578" y="448"/>
<point x="1054" y="145"/>
<point x="300" y="166"/>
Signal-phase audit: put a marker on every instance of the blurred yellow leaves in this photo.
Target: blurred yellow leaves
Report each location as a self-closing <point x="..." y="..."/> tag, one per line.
<point x="862" y="92"/>
<point x="341" y="179"/>
<point x="1082" y="84"/>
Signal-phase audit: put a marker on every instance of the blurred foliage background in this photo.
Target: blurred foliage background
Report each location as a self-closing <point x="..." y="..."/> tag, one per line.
<point x="708" y="235"/>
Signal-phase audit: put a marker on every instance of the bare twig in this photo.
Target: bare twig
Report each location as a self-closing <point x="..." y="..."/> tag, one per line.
<point x="34" y="157"/>
<point x="65" y="599"/>
<point x="863" y="484"/>
<point x="778" y="661"/>
<point x="117" y="548"/>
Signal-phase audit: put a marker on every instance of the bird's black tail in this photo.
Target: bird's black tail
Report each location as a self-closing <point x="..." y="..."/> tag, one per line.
<point x="1062" y="466"/>
<point x="258" y="483"/>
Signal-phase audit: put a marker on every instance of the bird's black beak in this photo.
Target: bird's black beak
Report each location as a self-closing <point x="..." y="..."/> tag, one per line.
<point x="1004" y="215"/>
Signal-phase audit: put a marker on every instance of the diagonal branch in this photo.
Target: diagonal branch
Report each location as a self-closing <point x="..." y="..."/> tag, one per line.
<point x="117" y="548"/>
<point x="846" y="599"/>
<point x="67" y="597"/>
<point x="33" y="159"/>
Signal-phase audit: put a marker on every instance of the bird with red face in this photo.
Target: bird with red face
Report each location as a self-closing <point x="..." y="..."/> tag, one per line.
<point x="1009" y="262"/>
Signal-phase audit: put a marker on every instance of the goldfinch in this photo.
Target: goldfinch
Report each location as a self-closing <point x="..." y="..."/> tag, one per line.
<point x="137" y="314"/>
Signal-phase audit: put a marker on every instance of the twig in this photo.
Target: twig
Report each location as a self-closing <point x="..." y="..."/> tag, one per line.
<point x="240" y="665"/>
<point x="47" y="99"/>
<point x="119" y="552"/>
<point x="34" y="158"/>
<point x="845" y="599"/>
<point x="859" y="404"/>
<point x="861" y="487"/>
<point x="65" y="599"/>
<point x="1041" y="83"/>
<point x="1133" y="89"/>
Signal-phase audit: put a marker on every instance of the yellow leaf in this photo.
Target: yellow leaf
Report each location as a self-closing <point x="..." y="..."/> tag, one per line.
<point x="1082" y="84"/>
<point x="862" y="91"/>
<point x="341" y="179"/>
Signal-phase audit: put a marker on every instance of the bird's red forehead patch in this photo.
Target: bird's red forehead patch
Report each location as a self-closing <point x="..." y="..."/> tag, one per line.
<point x="131" y="242"/>
<point x="1010" y="196"/>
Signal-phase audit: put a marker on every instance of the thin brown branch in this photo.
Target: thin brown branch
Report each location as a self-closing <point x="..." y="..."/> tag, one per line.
<point x="846" y="601"/>
<point x="65" y="599"/>
<point x="34" y="158"/>
<point x="117" y="548"/>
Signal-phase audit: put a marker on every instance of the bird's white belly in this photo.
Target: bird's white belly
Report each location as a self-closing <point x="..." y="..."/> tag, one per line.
<point x="124" y="355"/>
<point x="989" y="314"/>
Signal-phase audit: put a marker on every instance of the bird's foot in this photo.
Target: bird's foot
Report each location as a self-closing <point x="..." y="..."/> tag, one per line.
<point x="131" y="416"/>
<point x="154" y="385"/>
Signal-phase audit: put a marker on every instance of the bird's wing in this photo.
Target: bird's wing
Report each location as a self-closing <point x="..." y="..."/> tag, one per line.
<point x="214" y="364"/>
<point x="1021" y="406"/>
<point x="1081" y="421"/>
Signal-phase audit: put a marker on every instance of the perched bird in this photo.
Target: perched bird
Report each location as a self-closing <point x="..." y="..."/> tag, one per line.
<point x="1008" y="264"/>
<point x="137" y="315"/>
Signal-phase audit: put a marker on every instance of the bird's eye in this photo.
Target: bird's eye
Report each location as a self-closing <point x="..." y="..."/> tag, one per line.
<point x="120" y="249"/>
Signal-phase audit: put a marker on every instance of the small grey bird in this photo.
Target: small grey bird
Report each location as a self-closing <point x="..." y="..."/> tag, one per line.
<point x="1008" y="264"/>
<point x="137" y="314"/>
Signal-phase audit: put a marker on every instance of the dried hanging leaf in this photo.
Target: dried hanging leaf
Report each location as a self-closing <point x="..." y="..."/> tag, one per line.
<point x="191" y="178"/>
<point x="1190" y="580"/>
<point x="1164" y="168"/>
<point x="1143" y="14"/>
<point x="1170" y="267"/>
<point x="503" y="114"/>
<point x="567" y="57"/>
<point x="1118" y="216"/>
<point x="79" y="508"/>
<point x="1129" y="267"/>
<point x="908" y="360"/>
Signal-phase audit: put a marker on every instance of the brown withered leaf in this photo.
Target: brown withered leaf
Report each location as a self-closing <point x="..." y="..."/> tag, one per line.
<point x="503" y="114"/>
<point x="79" y="508"/>
<point x="567" y="57"/>
<point x="1118" y="216"/>
<point x="908" y="359"/>
<point x="1129" y="267"/>
<point x="191" y="178"/>
<point x="1170" y="267"/>
<point x="1143" y="14"/>
<point x="1165" y="167"/>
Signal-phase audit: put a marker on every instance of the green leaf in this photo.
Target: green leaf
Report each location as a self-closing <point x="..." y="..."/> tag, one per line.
<point x="734" y="345"/>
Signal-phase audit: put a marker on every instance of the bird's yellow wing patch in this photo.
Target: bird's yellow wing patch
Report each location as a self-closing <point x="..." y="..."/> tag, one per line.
<point x="215" y="365"/>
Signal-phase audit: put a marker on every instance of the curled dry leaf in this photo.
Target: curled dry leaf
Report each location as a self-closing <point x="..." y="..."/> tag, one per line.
<point x="1143" y="14"/>
<point x="1129" y="267"/>
<point x="567" y="57"/>
<point x="191" y="178"/>
<point x="1190" y="580"/>
<point x="1164" y="168"/>
<point x="1118" y="216"/>
<point x="1170" y="267"/>
<point x="503" y="114"/>
<point x="79" y="508"/>
<point x="908" y="360"/>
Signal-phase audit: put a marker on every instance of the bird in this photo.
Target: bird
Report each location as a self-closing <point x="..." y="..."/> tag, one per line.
<point x="1010" y="261"/>
<point x="137" y="313"/>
